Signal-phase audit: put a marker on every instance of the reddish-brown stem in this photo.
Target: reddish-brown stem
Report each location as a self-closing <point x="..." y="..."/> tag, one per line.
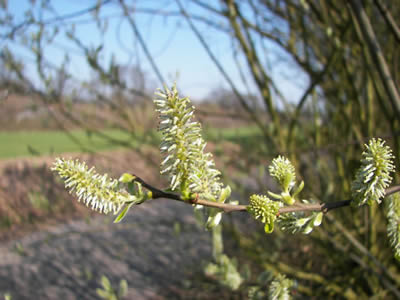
<point x="300" y="207"/>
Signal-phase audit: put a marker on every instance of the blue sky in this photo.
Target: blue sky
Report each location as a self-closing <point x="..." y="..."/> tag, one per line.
<point x="175" y="49"/>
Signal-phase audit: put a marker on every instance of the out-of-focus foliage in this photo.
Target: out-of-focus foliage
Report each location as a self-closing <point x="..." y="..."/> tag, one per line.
<point x="107" y="292"/>
<point x="393" y="228"/>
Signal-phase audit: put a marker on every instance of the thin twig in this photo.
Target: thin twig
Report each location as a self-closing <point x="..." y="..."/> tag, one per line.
<point x="363" y="250"/>
<point x="224" y="73"/>
<point x="322" y="207"/>
<point x="374" y="48"/>
<point x="142" y="42"/>
<point x="157" y="193"/>
<point x="391" y="23"/>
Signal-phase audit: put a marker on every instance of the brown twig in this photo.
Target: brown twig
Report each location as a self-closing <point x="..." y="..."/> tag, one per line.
<point x="322" y="207"/>
<point x="157" y="193"/>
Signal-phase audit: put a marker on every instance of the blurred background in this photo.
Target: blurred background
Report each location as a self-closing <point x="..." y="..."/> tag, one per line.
<point x="311" y="80"/>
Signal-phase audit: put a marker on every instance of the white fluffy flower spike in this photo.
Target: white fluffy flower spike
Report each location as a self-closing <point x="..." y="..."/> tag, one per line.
<point x="100" y="192"/>
<point x="373" y="177"/>
<point x="190" y="169"/>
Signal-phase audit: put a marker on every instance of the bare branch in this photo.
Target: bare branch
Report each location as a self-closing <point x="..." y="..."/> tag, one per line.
<point x="389" y="19"/>
<point x="250" y="111"/>
<point x="376" y="53"/>
<point x="142" y="42"/>
<point x="321" y="207"/>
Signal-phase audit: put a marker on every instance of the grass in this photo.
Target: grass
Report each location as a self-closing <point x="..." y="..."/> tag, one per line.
<point x="238" y="135"/>
<point x="39" y="143"/>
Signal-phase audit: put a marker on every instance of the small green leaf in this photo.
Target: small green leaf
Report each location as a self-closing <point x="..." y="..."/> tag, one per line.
<point x="308" y="228"/>
<point x="123" y="288"/>
<point x="318" y="219"/>
<point x="131" y="188"/>
<point x="301" y="222"/>
<point x="105" y="283"/>
<point x="127" y="178"/>
<point x="289" y="200"/>
<point x="299" y="189"/>
<point x="177" y="228"/>
<point x="287" y="181"/>
<point x="7" y="296"/>
<point x="123" y="213"/>
<point x="214" y="218"/>
<point x="397" y="256"/>
<point x="139" y="189"/>
<point x="269" y="227"/>
<point x="186" y="195"/>
<point x="273" y="195"/>
<point x="102" y="293"/>
<point x="225" y="193"/>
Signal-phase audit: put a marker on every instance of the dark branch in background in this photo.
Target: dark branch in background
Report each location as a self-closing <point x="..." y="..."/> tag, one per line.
<point x="356" y="244"/>
<point x="376" y="53"/>
<point x="259" y="72"/>
<point x="380" y="269"/>
<point x="389" y="19"/>
<point x="43" y="97"/>
<point x="206" y="47"/>
<point x="142" y="43"/>
<point x="315" y="81"/>
<point x="56" y="19"/>
<point x="322" y="207"/>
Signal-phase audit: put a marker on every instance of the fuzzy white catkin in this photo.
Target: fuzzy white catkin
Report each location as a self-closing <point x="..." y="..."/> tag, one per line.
<point x="99" y="192"/>
<point x="373" y="176"/>
<point x="186" y="163"/>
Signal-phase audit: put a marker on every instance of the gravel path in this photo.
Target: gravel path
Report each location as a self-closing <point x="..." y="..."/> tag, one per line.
<point x="67" y="261"/>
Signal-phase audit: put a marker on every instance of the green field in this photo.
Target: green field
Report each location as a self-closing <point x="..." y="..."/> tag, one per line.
<point x="38" y="143"/>
<point x="236" y="135"/>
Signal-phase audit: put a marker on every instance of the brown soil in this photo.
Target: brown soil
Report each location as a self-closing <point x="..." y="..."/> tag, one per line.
<point x="32" y="197"/>
<point x="62" y="251"/>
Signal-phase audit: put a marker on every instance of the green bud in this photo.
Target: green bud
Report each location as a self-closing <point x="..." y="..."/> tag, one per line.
<point x="225" y="194"/>
<point x="317" y="220"/>
<point x="126" y="178"/>
<point x="284" y="173"/>
<point x="264" y="209"/>
<point x="299" y="189"/>
<point x="269" y="227"/>
<point x="214" y="218"/>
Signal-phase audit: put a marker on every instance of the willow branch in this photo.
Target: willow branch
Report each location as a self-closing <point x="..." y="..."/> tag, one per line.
<point x="157" y="193"/>
<point x="226" y="207"/>
<point x="142" y="42"/>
